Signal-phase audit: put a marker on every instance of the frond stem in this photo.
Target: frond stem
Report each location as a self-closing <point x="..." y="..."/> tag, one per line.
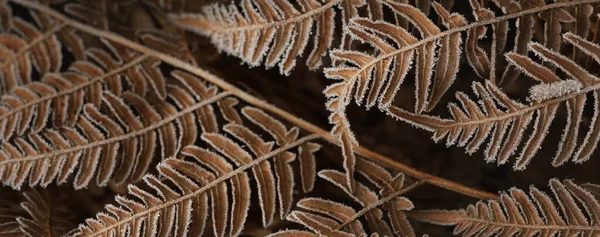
<point x="428" y="126"/>
<point x="122" y="137"/>
<point x="124" y="67"/>
<point x="371" y="155"/>
<point x="33" y="43"/>
<point x="432" y="123"/>
<point x="228" y="30"/>
<point x="535" y="227"/>
<point x="212" y="184"/>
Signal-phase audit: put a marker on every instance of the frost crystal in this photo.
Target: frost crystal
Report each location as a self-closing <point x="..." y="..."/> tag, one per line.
<point x="547" y="91"/>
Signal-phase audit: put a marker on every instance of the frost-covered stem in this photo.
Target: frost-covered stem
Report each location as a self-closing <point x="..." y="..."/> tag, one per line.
<point x="123" y="137"/>
<point x="432" y="123"/>
<point x="535" y="227"/>
<point x="368" y="154"/>
<point x="224" y="29"/>
<point x="33" y="43"/>
<point x="76" y="88"/>
<point x="473" y="25"/>
<point x="381" y="202"/>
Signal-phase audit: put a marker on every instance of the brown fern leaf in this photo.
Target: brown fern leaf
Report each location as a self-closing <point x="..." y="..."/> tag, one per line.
<point x="519" y="214"/>
<point x="28" y="109"/>
<point x="36" y="212"/>
<point x="273" y="31"/>
<point x="108" y="141"/>
<point x="48" y="214"/>
<point x="329" y="218"/>
<point x="174" y="45"/>
<point x="113" y="145"/>
<point x="503" y="120"/>
<point x="181" y="205"/>
<point x="296" y="233"/>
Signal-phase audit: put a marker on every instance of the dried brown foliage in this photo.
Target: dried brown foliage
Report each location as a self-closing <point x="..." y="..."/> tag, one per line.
<point x="117" y="101"/>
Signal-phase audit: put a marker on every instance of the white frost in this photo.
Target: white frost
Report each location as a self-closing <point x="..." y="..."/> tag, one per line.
<point x="547" y="91"/>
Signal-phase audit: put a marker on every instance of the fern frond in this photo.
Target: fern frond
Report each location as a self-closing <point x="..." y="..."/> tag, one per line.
<point x="175" y="45"/>
<point x="93" y="13"/>
<point x="503" y="120"/>
<point x="273" y="31"/>
<point x="115" y="144"/>
<point x="519" y="214"/>
<point x="109" y="16"/>
<point x="181" y="200"/>
<point x="296" y="233"/>
<point x="113" y="140"/>
<point x="36" y="212"/>
<point x="330" y="218"/>
<point x="283" y="170"/>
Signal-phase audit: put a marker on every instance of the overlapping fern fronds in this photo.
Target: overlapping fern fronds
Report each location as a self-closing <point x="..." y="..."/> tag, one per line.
<point x="178" y="204"/>
<point x="113" y="145"/>
<point x="113" y="108"/>
<point x="375" y="77"/>
<point x="382" y="210"/>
